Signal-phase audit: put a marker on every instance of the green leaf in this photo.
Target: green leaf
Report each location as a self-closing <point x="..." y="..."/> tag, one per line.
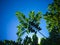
<point x="38" y="16"/>
<point x="31" y="15"/>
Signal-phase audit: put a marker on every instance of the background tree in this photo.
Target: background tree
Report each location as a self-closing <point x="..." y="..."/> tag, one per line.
<point x="52" y="18"/>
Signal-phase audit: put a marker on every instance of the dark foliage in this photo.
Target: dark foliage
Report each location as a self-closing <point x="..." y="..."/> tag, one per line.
<point x="53" y="21"/>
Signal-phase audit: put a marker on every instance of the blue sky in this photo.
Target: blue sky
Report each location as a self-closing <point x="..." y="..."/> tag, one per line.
<point x="9" y="21"/>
